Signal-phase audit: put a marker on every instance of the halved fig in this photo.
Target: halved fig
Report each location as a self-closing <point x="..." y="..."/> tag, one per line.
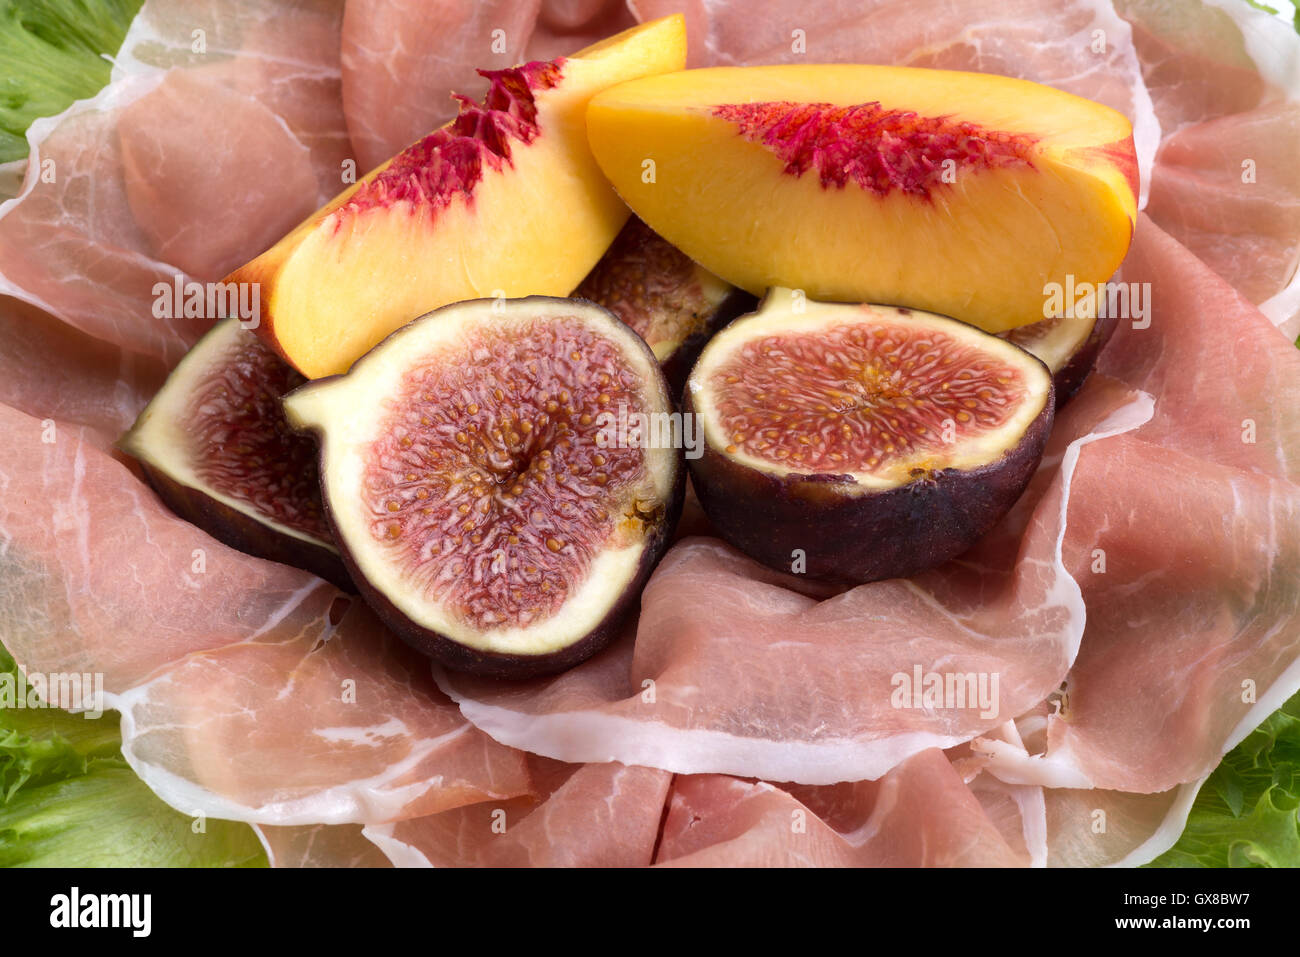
<point x="671" y="302"/>
<point x="1068" y="346"/>
<point x="477" y="486"/>
<point x="215" y="446"/>
<point x="853" y="443"/>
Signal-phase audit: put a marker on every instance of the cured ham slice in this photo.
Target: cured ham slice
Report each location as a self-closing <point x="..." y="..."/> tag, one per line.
<point x="166" y="149"/>
<point x="566" y="26"/>
<point x="253" y="691"/>
<point x="921" y="814"/>
<point x="596" y="815"/>
<point x="52" y="371"/>
<point x="246" y="691"/>
<point x="1225" y="78"/>
<point x="1192" y="635"/>
<point x="319" y="845"/>
<point x="1229" y="190"/>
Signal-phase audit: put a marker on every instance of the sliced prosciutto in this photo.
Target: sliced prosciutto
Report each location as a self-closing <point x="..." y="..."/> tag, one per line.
<point x="52" y="371"/>
<point x="595" y="815"/>
<point x="401" y="61"/>
<point x="319" y="845"/>
<point x="1194" y="635"/>
<point x="194" y="166"/>
<point x="1225" y="78"/>
<point x="921" y="814"/>
<point x="251" y="690"/>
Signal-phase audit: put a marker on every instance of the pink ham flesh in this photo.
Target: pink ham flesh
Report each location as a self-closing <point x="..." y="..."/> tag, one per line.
<point x="596" y="815"/>
<point x="920" y="814"/>
<point x="319" y="845"/>
<point x="52" y="371"/>
<point x="1192" y="635"/>
<point x="248" y="140"/>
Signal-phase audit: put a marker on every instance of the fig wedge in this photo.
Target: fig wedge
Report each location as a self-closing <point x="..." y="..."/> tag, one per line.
<point x="216" y="448"/>
<point x="853" y="443"/>
<point x="479" y="499"/>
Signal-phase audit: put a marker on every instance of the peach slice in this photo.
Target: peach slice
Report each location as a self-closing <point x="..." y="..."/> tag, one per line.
<point x="958" y="193"/>
<point x="504" y="201"/>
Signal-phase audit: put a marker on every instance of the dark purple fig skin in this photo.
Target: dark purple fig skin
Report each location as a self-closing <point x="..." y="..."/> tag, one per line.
<point x="1070" y="377"/>
<point x="520" y="667"/>
<point x="852" y="539"/>
<point x="239" y="531"/>
<point x="461" y="657"/>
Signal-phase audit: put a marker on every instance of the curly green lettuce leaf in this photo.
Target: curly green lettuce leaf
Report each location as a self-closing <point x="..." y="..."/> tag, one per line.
<point x="1246" y="812"/>
<point x="53" y="52"/>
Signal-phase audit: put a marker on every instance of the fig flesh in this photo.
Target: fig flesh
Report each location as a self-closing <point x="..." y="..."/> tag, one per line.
<point x="853" y="443"/>
<point x="216" y="448"/>
<point x="671" y="302"/>
<point x="479" y="500"/>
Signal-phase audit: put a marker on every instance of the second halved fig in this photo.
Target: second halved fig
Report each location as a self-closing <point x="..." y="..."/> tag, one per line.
<point x="853" y="443"/>
<point x="480" y="503"/>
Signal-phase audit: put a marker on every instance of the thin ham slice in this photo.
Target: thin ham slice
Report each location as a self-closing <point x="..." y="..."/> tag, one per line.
<point x="253" y="691"/>
<point x="596" y="815"/>
<point x="319" y="845"/>
<point x="244" y="137"/>
<point x="921" y="814"/>
<point x="52" y="371"/>
<point x="1192" y="635"/>
<point x="402" y="60"/>
<point x="1229" y="190"/>
<point x="1225" y="78"/>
